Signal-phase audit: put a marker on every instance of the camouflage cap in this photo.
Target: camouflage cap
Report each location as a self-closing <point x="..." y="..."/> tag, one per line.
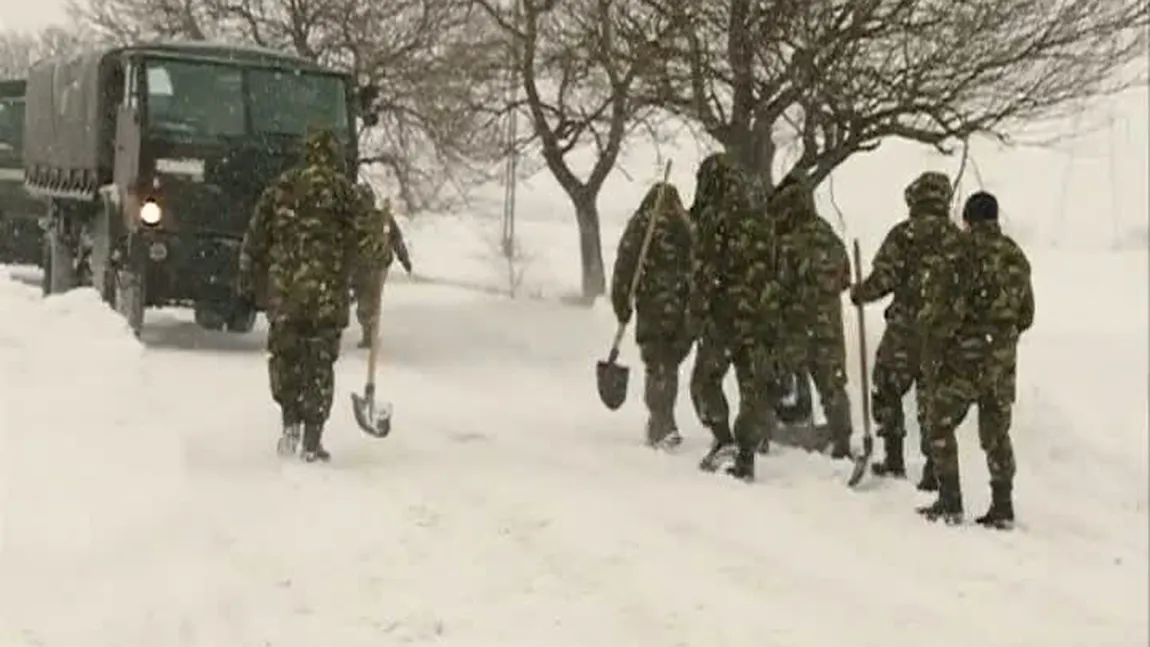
<point x="931" y="187"/>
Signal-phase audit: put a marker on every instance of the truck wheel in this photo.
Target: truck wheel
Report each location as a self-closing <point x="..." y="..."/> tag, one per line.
<point x="208" y="317"/>
<point x="46" y="268"/>
<point x="129" y="299"/>
<point x="60" y="266"/>
<point x="241" y="319"/>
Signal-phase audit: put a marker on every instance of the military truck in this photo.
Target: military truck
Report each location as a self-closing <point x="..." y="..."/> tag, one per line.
<point x="151" y="158"/>
<point x="20" y="232"/>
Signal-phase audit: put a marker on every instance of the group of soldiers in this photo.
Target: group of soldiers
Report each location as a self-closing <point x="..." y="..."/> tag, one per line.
<point x="763" y="292"/>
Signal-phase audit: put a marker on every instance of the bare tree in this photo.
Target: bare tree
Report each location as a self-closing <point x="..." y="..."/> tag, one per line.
<point x="418" y="52"/>
<point x="20" y="50"/>
<point x="839" y="76"/>
<point x="578" y="64"/>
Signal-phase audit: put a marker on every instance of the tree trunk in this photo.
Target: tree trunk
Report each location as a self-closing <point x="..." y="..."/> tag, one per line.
<point x="590" y="249"/>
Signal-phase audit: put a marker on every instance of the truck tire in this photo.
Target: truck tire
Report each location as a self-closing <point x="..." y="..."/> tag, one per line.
<point x="241" y="319"/>
<point x="59" y="264"/>
<point x="209" y="317"/>
<point x="129" y="299"/>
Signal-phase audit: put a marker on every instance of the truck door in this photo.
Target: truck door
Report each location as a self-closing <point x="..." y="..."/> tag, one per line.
<point x="126" y="168"/>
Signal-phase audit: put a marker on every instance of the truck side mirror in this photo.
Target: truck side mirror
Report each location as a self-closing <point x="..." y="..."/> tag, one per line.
<point x="367" y="95"/>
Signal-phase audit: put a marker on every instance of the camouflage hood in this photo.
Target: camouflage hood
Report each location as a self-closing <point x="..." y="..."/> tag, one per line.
<point x="929" y="195"/>
<point x="672" y="203"/>
<point x="792" y="203"/>
<point x="719" y="181"/>
<point x="322" y="148"/>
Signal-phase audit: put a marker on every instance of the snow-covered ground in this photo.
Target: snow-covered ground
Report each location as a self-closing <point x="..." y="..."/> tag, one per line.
<point x="143" y="503"/>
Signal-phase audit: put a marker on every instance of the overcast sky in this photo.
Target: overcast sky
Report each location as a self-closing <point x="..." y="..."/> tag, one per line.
<point x="30" y="14"/>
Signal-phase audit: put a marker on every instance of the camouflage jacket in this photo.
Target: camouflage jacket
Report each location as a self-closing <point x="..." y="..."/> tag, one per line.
<point x="394" y="249"/>
<point x="735" y="277"/>
<point x="986" y="306"/>
<point x="664" y="288"/>
<point x="308" y="230"/>
<point x="927" y="242"/>
<point x="816" y="272"/>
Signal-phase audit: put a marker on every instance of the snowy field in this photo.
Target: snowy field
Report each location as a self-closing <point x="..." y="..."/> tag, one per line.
<point x="143" y="504"/>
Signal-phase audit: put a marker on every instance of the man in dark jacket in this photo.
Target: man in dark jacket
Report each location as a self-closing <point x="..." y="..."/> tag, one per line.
<point x="926" y="241"/>
<point x="817" y="274"/>
<point x="735" y="299"/>
<point x="981" y="312"/>
<point x="366" y="278"/>
<point x="662" y="331"/>
<point x="308" y="230"/>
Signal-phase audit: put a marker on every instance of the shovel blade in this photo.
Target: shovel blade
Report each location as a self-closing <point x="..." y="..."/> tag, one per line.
<point x="862" y="461"/>
<point x="373" y="421"/>
<point x="611" y="379"/>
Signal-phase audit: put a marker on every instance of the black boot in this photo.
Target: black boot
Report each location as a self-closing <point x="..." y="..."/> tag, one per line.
<point x="662" y="434"/>
<point x="948" y="506"/>
<point x="892" y="464"/>
<point x="312" y="448"/>
<point x="744" y="466"/>
<point x="1001" y="512"/>
<point x="290" y="437"/>
<point x="722" y="449"/>
<point x="928" y="482"/>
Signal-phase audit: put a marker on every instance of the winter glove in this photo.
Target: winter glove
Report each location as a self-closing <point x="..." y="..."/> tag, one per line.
<point x="624" y="314"/>
<point x="856" y="299"/>
<point x="405" y="262"/>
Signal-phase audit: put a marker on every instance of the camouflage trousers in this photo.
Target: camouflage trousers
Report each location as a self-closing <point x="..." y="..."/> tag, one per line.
<point x="755" y="372"/>
<point x="952" y="396"/>
<point x="661" y="383"/>
<point x="897" y="368"/>
<point x="824" y="361"/>
<point x="367" y="300"/>
<point x="301" y="369"/>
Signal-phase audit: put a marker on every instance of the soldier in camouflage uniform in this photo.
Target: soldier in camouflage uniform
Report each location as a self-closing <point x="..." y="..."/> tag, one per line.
<point x="735" y="299"/>
<point x="308" y="229"/>
<point x="662" y="331"/>
<point x="980" y="314"/>
<point x="364" y="286"/>
<point x="817" y="273"/>
<point x="925" y="240"/>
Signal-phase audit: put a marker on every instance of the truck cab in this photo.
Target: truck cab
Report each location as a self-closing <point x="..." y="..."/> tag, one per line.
<point x="151" y="159"/>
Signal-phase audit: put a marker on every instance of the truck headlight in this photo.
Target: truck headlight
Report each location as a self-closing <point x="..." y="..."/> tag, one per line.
<point x="150" y="213"/>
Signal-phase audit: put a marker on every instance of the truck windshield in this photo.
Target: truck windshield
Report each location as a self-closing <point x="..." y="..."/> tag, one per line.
<point x="288" y="102"/>
<point x="206" y="100"/>
<point x="11" y="125"/>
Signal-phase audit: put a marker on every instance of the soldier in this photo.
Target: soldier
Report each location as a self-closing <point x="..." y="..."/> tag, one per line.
<point x="662" y="331"/>
<point x="735" y="300"/>
<point x="926" y="239"/>
<point x="365" y="290"/>
<point x="819" y="270"/>
<point x="981" y="314"/>
<point x="309" y="226"/>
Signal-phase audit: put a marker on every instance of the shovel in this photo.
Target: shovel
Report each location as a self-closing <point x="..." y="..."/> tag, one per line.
<point x="862" y="460"/>
<point x="372" y="419"/>
<point x="612" y="377"/>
